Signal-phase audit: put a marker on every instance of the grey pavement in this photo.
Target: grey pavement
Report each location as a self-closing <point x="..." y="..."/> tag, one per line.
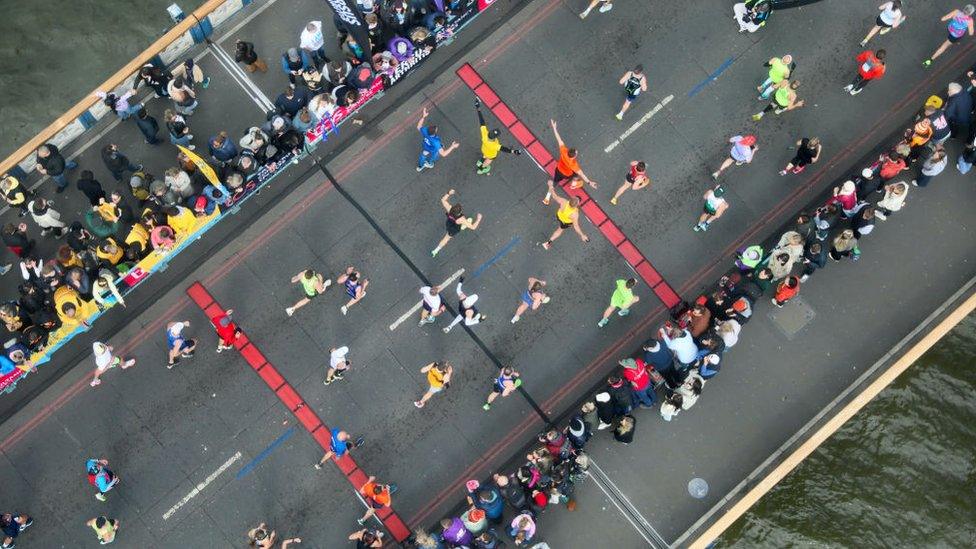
<point x="166" y="432"/>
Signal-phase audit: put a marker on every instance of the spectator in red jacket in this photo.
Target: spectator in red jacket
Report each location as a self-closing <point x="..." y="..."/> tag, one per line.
<point x="870" y="66"/>
<point x="892" y="165"/>
<point x="635" y="372"/>
<point x="786" y="290"/>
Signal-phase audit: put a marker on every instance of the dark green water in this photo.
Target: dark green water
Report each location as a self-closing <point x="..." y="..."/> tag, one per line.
<point x="901" y="473"/>
<point x="54" y="52"/>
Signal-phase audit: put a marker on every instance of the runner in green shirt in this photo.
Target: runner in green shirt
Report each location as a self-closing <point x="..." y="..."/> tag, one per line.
<point x="623" y="297"/>
<point x="780" y="68"/>
<point x="313" y="284"/>
<point x="784" y="99"/>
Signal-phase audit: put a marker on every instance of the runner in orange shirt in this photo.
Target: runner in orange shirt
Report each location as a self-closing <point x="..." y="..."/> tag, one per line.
<point x="567" y="167"/>
<point x="377" y="496"/>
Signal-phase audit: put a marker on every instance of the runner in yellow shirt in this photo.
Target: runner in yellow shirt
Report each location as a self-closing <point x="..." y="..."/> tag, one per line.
<point x="438" y="377"/>
<point x="490" y="145"/>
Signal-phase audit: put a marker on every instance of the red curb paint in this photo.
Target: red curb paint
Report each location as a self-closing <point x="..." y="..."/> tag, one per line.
<point x="303" y="413"/>
<point x="590" y="208"/>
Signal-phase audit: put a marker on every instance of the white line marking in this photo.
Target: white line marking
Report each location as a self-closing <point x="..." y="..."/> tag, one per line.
<point x="625" y="514"/>
<point x="416" y="307"/>
<point x="247" y="19"/>
<point x="639" y="123"/>
<point x="200" y="487"/>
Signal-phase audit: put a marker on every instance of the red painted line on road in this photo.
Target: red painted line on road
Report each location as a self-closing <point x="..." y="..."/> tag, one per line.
<point x="586" y="373"/>
<point x="297" y="406"/>
<point x="359" y="161"/>
<point x="625" y="247"/>
<point x="362" y="159"/>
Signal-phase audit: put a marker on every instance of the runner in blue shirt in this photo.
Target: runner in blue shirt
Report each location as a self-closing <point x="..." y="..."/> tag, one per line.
<point x="100" y="477"/>
<point x="178" y="344"/>
<point x="431" y="147"/>
<point x="339" y="445"/>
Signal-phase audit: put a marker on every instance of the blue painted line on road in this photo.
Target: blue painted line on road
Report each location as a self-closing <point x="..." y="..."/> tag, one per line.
<point x="701" y="85"/>
<point x="265" y="453"/>
<point x="501" y="253"/>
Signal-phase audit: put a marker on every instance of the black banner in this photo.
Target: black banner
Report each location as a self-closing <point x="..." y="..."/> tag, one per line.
<point x="347" y="12"/>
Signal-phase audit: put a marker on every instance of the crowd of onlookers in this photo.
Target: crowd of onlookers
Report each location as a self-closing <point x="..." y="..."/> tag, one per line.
<point x="689" y="349"/>
<point x="145" y="213"/>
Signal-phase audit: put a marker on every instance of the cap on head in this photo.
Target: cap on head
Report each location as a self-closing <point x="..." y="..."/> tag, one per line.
<point x="719" y="191"/>
<point x="748" y="140"/>
<point x="493" y="134"/>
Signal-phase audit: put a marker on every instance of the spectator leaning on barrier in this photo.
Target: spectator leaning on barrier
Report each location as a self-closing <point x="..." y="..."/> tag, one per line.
<point x="51" y="163"/>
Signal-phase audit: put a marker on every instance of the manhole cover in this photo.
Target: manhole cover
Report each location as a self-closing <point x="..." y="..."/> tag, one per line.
<point x="794" y="315"/>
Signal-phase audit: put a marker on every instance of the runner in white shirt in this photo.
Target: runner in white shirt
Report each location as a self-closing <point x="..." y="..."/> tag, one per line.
<point x="337" y="364"/>
<point x="432" y="305"/>
<point x="889" y="18"/>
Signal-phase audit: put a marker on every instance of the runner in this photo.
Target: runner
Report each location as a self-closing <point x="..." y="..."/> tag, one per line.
<point x="960" y="24"/>
<point x="623" y="297"/>
<point x="433" y="306"/>
<point x="377" y="496"/>
<point x="505" y="384"/>
<point x="490" y="145"/>
<point x="870" y="66"/>
<point x="743" y="149"/>
<point x="431" y="148"/>
<point x="338" y="446"/>
<point x="566" y="167"/>
<point x="355" y="287"/>
<point x="227" y="331"/>
<point x="533" y="297"/>
<point x="607" y="6"/>
<point x="178" y="345"/>
<point x="100" y="476"/>
<point x="337" y="364"/>
<point x="455" y="223"/>
<point x="784" y="99"/>
<point x="105" y="529"/>
<point x="889" y="18"/>
<point x="12" y="525"/>
<point x="466" y="309"/>
<point x="105" y="360"/>
<point x="438" y="378"/>
<point x="367" y="538"/>
<point x="313" y="284"/>
<point x="715" y="206"/>
<point x="808" y="151"/>
<point x="634" y="181"/>
<point x="567" y="216"/>
<point x="780" y="68"/>
<point x="634" y="82"/>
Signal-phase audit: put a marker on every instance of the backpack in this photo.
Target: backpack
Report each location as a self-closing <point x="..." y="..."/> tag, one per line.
<point x="633" y="85"/>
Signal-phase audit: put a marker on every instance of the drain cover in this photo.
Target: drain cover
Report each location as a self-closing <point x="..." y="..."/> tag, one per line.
<point x="792" y="317"/>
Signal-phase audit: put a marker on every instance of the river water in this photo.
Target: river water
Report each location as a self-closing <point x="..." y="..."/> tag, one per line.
<point x="901" y="473"/>
<point x="53" y="52"/>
